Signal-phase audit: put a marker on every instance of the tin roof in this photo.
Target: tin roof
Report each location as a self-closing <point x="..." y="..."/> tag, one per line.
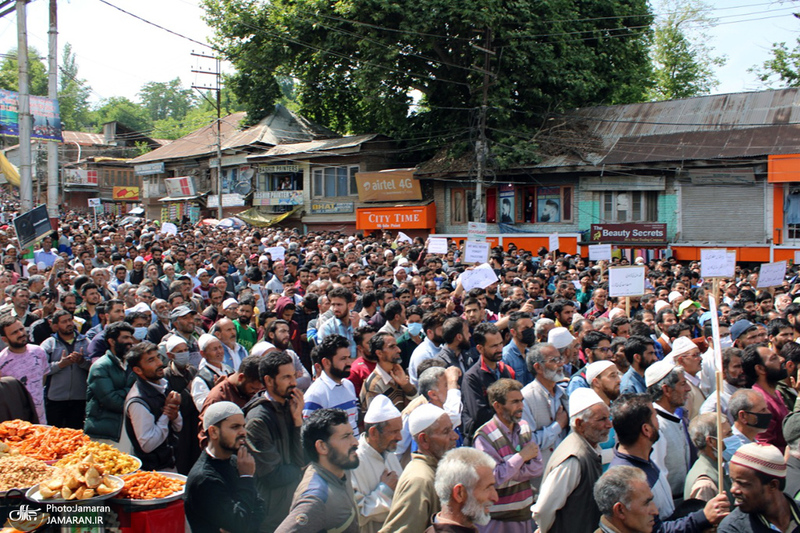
<point x="281" y="127"/>
<point x="312" y="147"/>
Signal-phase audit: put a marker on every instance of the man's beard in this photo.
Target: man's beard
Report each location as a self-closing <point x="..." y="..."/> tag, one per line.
<point x="340" y="374"/>
<point x="18" y="345"/>
<point x="774" y="376"/>
<point x="474" y="511"/>
<point x="342" y="460"/>
<point x="232" y="447"/>
<point x="554" y="375"/>
<point x="464" y="345"/>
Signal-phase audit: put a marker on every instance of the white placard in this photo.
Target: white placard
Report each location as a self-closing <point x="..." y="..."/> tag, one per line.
<point x="553" y="242"/>
<point x="599" y="252"/>
<point x="437" y="245"/>
<point x="402" y="237"/>
<point x="717" y="263"/>
<point x="712" y="307"/>
<point x="797" y="258"/>
<point x="277" y="253"/>
<point x="170" y="228"/>
<point x="480" y="277"/>
<point x="626" y="281"/>
<point x="476" y="231"/>
<point x="476" y="252"/>
<point x="94" y="202"/>
<point x="771" y="275"/>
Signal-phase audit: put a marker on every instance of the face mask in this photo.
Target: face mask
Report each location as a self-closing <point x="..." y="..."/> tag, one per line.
<point x="415" y="328"/>
<point x="528" y="337"/>
<point x="181" y="358"/>
<point x="762" y="420"/>
<point x="408" y="270"/>
<point x="139" y="333"/>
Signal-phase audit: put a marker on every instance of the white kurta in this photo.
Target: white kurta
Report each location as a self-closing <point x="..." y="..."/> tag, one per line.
<point x="373" y="497"/>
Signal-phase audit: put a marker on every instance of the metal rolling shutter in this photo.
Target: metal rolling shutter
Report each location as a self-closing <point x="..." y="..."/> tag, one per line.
<point x="723" y="213"/>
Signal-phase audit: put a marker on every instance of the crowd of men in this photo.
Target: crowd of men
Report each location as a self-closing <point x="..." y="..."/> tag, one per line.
<point x="355" y="385"/>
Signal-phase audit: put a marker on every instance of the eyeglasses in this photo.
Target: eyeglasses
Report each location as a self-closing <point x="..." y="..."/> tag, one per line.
<point x="603" y="349"/>
<point x="556" y="360"/>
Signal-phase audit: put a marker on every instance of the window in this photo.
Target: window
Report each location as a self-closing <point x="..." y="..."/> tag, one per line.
<point x="274" y="181"/>
<point x="334" y="181"/>
<point x="462" y="206"/>
<point x="630" y="206"/>
<point x="544" y="205"/>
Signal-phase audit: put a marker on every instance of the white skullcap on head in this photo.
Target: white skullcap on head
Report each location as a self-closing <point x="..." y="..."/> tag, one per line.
<point x="260" y="347"/>
<point x="230" y="302"/>
<point x="381" y="409"/>
<point x="141" y="307"/>
<point x="219" y="411"/>
<point x="201" y="272"/>
<point x="658" y="371"/>
<point x="206" y="339"/>
<point x="674" y="295"/>
<point x="424" y="417"/>
<point x="397" y="269"/>
<point x="173" y="342"/>
<point x="595" y="369"/>
<point x="218" y="278"/>
<point x="660" y="304"/>
<point x="680" y="346"/>
<point x="614" y="313"/>
<point x="764" y="458"/>
<point x="139" y="259"/>
<point x="560" y="337"/>
<point x="581" y="399"/>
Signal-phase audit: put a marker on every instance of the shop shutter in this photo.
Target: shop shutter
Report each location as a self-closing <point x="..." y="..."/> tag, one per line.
<point x="723" y="213"/>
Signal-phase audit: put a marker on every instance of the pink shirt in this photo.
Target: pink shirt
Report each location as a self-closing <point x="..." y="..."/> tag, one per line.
<point x="774" y="433"/>
<point x="30" y="368"/>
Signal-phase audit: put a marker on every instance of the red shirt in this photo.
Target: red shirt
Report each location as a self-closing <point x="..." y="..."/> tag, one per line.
<point x="360" y="371"/>
<point x="774" y="433"/>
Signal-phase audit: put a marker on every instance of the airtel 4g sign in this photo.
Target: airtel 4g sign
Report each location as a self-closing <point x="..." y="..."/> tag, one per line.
<point x="388" y="186"/>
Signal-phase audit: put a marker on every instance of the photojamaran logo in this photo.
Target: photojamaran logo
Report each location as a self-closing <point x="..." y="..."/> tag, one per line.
<point x="26" y="519"/>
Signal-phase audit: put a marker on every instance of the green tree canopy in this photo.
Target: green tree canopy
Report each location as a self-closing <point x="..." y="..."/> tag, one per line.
<point x="122" y="110"/>
<point x="782" y="68"/>
<point x="73" y="94"/>
<point x="413" y="70"/>
<point x="37" y="72"/>
<point x="165" y="100"/>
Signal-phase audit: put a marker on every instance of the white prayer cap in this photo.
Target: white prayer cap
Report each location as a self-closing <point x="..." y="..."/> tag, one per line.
<point x="581" y="399"/>
<point x="424" y="417"/>
<point x="764" y="458"/>
<point x="639" y="261"/>
<point x="230" y="302"/>
<point x="205" y="340"/>
<point x="141" y="307"/>
<point x="218" y="278"/>
<point x="560" y="338"/>
<point x="397" y="269"/>
<point x="614" y="313"/>
<point x="595" y="369"/>
<point x="219" y="411"/>
<point x="260" y="347"/>
<point x="381" y="409"/>
<point x="201" y="272"/>
<point x="173" y="342"/>
<point x="682" y="345"/>
<point x="658" y="371"/>
<point x="263" y="258"/>
<point x="41" y="265"/>
<point x="674" y="295"/>
<point x="139" y="259"/>
<point x="660" y="304"/>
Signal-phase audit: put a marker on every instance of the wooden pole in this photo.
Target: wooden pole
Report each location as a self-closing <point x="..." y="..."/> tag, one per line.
<point x="720" y="471"/>
<point x="628" y="306"/>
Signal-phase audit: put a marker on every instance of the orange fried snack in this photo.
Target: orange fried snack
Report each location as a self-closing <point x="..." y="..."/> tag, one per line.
<point x="13" y="431"/>
<point x="52" y="444"/>
<point x="143" y="485"/>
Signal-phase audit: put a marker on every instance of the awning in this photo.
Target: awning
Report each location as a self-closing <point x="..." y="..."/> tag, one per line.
<point x="259" y="219"/>
<point x="179" y="198"/>
<point x="9" y="171"/>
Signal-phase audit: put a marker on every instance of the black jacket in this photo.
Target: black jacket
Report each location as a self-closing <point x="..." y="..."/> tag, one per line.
<point x="477" y="410"/>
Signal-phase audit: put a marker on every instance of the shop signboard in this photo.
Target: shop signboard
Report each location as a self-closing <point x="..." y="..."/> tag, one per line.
<point x="388" y="186"/>
<point x="330" y="208"/>
<point x="629" y="233"/>
<point x="125" y="194"/>
<point x="278" y="198"/>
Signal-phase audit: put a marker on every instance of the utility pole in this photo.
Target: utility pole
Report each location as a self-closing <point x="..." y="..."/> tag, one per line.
<point x="218" y="88"/>
<point x="26" y="183"/>
<point x="52" y="92"/>
<point x="482" y="145"/>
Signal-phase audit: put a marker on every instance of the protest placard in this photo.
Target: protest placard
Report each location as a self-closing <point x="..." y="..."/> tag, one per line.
<point x="277" y="253"/>
<point x="480" y="277"/>
<point x="476" y="252"/>
<point x="553" y="242"/>
<point x="771" y="275"/>
<point x="437" y="245"/>
<point x="717" y="263"/>
<point x="402" y="237"/>
<point x="476" y="231"/>
<point x="626" y="281"/>
<point x="797" y="258"/>
<point x="599" y="252"/>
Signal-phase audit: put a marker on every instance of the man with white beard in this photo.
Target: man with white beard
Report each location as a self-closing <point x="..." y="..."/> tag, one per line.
<point x="466" y="487"/>
<point x="545" y="403"/>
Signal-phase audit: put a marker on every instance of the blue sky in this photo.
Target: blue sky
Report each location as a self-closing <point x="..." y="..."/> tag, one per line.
<point x="117" y="54"/>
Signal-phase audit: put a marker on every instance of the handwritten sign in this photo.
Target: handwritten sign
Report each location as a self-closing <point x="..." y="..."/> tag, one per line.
<point x="553" y="244"/>
<point x="712" y="307"/>
<point x="717" y="263"/>
<point x="476" y="231"/>
<point x="169" y="228"/>
<point x="480" y="277"/>
<point x="626" y="281"/>
<point x="402" y="237"/>
<point x="771" y="275"/>
<point x="599" y="252"/>
<point x="437" y="245"/>
<point x="797" y="258"/>
<point x="277" y="253"/>
<point x="476" y="252"/>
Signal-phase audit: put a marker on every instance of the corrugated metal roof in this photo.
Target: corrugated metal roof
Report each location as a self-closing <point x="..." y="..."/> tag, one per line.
<point x="315" y="146"/>
<point x="83" y="138"/>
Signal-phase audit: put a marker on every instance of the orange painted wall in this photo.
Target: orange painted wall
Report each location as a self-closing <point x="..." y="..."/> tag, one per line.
<point x="568" y="245"/>
<point x="758" y="254"/>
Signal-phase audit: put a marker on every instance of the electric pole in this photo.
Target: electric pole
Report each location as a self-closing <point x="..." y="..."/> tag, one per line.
<point x="52" y="92"/>
<point x="482" y="145"/>
<point x="218" y="88"/>
<point x="26" y="182"/>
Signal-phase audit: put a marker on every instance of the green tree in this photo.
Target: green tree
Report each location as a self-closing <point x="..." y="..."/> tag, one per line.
<point x="73" y="94"/>
<point x="122" y="110"/>
<point x="683" y="62"/>
<point x="172" y="128"/>
<point x="782" y="68"/>
<point x="37" y="72"/>
<point x="166" y="99"/>
<point x="414" y="69"/>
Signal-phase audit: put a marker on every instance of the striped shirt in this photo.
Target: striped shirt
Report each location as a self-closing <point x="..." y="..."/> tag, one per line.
<point x="325" y="393"/>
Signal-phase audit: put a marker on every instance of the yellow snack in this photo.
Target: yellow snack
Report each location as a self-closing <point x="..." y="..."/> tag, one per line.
<point x="112" y="460"/>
